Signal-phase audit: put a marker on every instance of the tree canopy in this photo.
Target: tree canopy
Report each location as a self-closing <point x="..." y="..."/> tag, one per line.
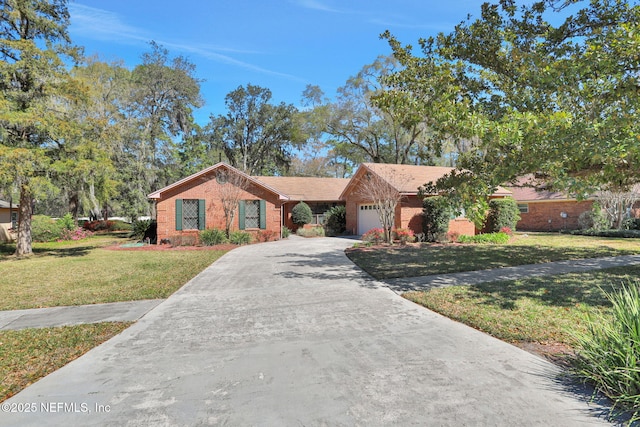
<point x="560" y="101"/>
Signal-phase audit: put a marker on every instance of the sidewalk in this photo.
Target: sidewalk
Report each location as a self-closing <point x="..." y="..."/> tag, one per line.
<point x="74" y="315"/>
<point x="425" y="283"/>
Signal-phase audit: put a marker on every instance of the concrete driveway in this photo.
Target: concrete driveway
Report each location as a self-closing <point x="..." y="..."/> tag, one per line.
<point x="291" y="333"/>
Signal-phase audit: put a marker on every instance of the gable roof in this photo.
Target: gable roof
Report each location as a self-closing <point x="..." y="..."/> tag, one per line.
<point x="158" y="194"/>
<point x="307" y="188"/>
<point x="406" y="179"/>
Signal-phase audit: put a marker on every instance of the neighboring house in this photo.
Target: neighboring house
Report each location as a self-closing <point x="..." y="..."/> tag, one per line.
<point x="8" y="221"/>
<point x="264" y="203"/>
<point x="405" y="179"/>
<point x="543" y="210"/>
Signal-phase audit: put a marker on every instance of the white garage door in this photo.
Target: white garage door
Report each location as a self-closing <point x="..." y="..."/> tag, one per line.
<point x="367" y="218"/>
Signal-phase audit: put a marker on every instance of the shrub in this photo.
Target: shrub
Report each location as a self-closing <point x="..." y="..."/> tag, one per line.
<point x="66" y="222"/>
<point x="404" y="235"/>
<point x="629" y="234"/>
<point x="266" y="235"/>
<point x="285" y="232"/>
<point x="44" y="229"/>
<point x="145" y="228"/>
<point x="503" y="213"/>
<point x="301" y="214"/>
<point x="608" y="353"/>
<point x="240" y="237"/>
<point x="595" y="219"/>
<point x="103" y="226"/>
<point x="375" y="235"/>
<point x="453" y="236"/>
<point x="76" y="234"/>
<point x="212" y="236"/>
<point x="311" y="232"/>
<point x="336" y="220"/>
<point x="493" y="238"/>
<point x="436" y="214"/>
<point x="183" y="240"/>
<point x="631" y="224"/>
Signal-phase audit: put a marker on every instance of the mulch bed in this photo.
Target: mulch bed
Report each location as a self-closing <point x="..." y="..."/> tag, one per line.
<point x="224" y="247"/>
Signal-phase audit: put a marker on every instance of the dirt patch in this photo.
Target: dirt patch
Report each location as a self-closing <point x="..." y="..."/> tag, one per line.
<point x="224" y="247"/>
<point x="557" y="353"/>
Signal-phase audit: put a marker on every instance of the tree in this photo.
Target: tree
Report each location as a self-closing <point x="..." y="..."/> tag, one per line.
<point x="377" y="189"/>
<point x="436" y="214"/>
<point x="617" y="205"/>
<point x="34" y="83"/>
<point x="533" y="97"/>
<point x="367" y="126"/>
<point x="231" y="188"/>
<point x="255" y="135"/>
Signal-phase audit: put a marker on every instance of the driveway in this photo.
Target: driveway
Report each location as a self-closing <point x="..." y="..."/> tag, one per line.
<point x="291" y="333"/>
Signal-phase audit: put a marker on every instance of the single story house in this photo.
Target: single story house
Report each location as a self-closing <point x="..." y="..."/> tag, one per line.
<point x="8" y="221"/>
<point x="264" y="203"/>
<point x="544" y="210"/>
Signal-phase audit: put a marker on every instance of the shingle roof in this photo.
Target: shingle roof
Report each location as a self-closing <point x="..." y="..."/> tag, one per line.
<point x="306" y="188"/>
<point x="408" y="178"/>
<point x="8" y="205"/>
<point x="530" y="189"/>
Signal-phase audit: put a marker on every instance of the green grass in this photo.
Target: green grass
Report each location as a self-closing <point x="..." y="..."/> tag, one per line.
<point x="84" y="272"/>
<point x="30" y="354"/>
<point x="426" y="259"/>
<point x="538" y="309"/>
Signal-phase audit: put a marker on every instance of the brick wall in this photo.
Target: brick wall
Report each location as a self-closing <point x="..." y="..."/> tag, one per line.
<point x="207" y="188"/>
<point x="545" y="216"/>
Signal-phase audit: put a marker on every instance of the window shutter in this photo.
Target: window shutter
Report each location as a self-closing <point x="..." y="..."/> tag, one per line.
<point x="202" y="224"/>
<point x="263" y="214"/>
<point x="241" y="215"/>
<point x="178" y="214"/>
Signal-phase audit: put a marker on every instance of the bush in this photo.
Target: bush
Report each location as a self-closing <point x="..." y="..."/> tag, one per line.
<point x="404" y="235"/>
<point x="45" y="229"/>
<point x="336" y="220"/>
<point x="301" y="214"/>
<point x="503" y="213"/>
<point x="453" y="236"/>
<point x="66" y="222"/>
<point x="240" y="237"/>
<point x="375" y="235"/>
<point x="436" y="214"/>
<point x="145" y="230"/>
<point x="212" y="236"/>
<point x="608" y="353"/>
<point x="285" y="232"/>
<point x="493" y="238"/>
<point x="103" y="226"/>
<point x="76" y="234"/>
<point x="595" y="219"/>
<point x="311" y="232"/>
<point x="631" y="224"/>
<point x="183" y="240"/>
<point x="629" y="234"/>
<point x="266" y="235"/>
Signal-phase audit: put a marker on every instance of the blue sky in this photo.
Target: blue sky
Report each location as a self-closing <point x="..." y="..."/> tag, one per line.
<point x="283" y="45"/>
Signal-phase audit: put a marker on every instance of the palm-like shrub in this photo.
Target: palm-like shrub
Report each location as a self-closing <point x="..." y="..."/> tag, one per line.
<point x="212" y="236"/>
<point x="608" y="353"/>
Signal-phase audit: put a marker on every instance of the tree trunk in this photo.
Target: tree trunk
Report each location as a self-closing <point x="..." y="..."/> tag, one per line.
<point x="73" y="206"/>
<point x="23" y="245"/>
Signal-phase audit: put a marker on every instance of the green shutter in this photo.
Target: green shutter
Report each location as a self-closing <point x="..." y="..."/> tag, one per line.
<point x="202" y="224"/>
<point x="178" y="214"/>
<point x="263" y="214"/>
<point x="241" y="215"/>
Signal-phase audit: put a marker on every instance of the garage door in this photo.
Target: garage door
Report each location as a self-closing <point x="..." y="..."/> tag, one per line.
<point x="367" y="218"/>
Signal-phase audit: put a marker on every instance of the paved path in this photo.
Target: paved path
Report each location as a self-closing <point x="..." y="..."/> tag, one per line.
<point x="291" y="333"/>
<point x="509" y="273"/>
<point x="62" y="316"/>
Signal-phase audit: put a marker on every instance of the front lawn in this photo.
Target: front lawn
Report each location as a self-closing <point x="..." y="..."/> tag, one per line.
<point x="538" y="313"/>
<point x="30" y="354"/>
<point x="85" y="272"/>
<point x="534" y="248"/>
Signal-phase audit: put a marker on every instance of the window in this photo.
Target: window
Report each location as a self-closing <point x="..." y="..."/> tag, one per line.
<point x="14" y="220"/>
<point x="190" y="214"/>
<point x="523" y="207"/>
<point x="252" y="214"/>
